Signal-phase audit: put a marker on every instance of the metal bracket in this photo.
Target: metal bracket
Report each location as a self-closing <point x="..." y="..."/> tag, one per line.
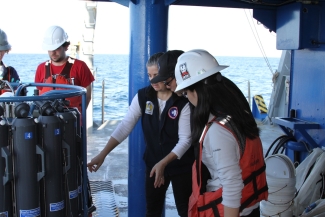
<point x="300" y="126"/>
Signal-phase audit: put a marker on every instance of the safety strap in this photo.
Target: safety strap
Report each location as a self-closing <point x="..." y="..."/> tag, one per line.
<point x="257" y="192"/>
<point x="65" y="71"/>
<point x="252" y="178"/>
<point x="8" y="74"/>
<point x="199" y="160"/>
<point x="212" y="205"/>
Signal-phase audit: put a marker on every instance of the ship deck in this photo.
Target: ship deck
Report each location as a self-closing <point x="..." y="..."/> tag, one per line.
<point x="109" y="185"/>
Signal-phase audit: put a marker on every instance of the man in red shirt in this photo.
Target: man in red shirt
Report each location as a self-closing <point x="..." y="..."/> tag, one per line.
<point x="62" y="69"/>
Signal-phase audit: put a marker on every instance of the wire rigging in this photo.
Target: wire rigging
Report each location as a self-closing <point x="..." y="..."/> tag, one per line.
<point x="257" y="38"/>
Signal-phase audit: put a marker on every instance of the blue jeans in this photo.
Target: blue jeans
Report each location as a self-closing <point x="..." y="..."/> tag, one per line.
<point x="182" y="189"/>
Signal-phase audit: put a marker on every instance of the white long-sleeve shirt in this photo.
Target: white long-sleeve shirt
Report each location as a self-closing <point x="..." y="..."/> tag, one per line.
<point x="125" y="127"/>
<point x="221" y="155"/>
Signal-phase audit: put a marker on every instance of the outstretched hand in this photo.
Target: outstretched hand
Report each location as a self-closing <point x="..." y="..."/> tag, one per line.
<point x="158" y="171"/>
<point x="96" y="162"/>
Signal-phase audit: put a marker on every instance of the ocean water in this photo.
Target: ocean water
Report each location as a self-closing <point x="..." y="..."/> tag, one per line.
<point x="113" y="71"/>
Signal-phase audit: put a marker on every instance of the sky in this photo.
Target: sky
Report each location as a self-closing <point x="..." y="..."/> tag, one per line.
<point x="221" y="31"/>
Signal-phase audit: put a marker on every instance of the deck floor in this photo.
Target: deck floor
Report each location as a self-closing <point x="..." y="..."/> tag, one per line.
<point x="110" y="181"/>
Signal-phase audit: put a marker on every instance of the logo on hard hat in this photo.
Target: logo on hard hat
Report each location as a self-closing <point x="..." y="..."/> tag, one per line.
<point x="183" y="70"/>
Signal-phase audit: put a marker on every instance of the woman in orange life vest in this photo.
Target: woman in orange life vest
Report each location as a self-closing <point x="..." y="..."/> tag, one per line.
<point x="226" y="139"/>
<point x="62" y="69"/>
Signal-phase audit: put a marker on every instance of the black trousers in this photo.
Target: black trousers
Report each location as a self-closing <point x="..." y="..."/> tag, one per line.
<point x="182" y="189"/>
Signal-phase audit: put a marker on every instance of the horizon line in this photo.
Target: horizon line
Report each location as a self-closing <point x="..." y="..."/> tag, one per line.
<point x="129" y="54"/>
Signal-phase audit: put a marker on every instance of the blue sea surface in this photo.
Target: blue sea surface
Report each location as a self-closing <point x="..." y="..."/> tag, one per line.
<point x="113" y="71"/>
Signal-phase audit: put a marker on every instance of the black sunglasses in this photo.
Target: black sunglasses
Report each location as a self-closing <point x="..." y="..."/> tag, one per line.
<point x="184" y="93"/>
<point x="166" y="83"/>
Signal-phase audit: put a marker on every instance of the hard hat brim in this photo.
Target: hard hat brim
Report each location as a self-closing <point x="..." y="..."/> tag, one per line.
<point x="5" y="47"/>
<point x="51" y="47"/>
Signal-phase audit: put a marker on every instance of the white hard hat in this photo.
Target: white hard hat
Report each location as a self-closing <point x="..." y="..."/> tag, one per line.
<point x="7" y="94"/>
<point x="54" y="37"/>
<point x="4" y="45"/>
<point x="193" y="66"/>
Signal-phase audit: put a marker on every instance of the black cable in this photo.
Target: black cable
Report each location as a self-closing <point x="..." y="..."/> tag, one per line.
<point x="282" y="142"/>
<point x="322" y="189"/>
<point x="283" y="149"/>
<point x="269" y="149"/>
<point x="307" y="147"/>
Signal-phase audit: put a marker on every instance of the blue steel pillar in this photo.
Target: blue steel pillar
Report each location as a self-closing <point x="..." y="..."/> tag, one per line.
<point x="148" y="35"/>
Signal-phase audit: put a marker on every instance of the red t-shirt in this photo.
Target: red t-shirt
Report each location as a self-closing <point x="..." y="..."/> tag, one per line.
<point x="79" y="71"/>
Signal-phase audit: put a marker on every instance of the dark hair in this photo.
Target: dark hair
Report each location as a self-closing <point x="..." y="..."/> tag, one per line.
<point x="153" y="61"/>
<point x="221" y="97"/>
<point x="66" y="44"/>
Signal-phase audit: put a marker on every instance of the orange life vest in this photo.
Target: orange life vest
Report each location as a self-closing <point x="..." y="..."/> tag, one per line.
<point x="62" y="78"/>
<point x="208" y="204"/>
